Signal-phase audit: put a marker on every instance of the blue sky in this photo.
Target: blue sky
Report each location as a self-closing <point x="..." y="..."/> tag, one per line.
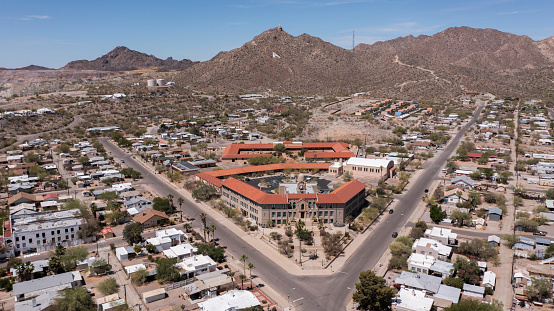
<point x="52" y="33"/>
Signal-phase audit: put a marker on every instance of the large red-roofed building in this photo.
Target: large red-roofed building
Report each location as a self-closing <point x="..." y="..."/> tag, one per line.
<point x="332" y="150"/>
<point x="262" y="207"/>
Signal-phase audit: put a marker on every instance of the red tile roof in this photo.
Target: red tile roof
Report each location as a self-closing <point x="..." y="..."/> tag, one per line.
<point x="329" y="155"/>
<point x="50" y="195"/>
<point x="107" y="230"/>
<point x="213" y="176"/>
<point x="233" y="151"/>
<point x="7" y="229"/>
<point x="474" y="154"/>
<point x="148" y="213"/>
<point x="340" y="195"/>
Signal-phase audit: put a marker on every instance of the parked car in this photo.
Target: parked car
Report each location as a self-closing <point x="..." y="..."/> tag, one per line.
<point x="391" y="211"/>
<point x="394" y="234"/>
<point x="541" y="233"/>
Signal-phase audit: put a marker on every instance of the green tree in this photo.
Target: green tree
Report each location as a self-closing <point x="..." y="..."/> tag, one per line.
<point x="166" y="270"/>
<point x="242" y="277"/>
<point x="24" y="270"/>
<point x="108" y="286"/>
<point x="372" y="293"/>
<point x="347" y="176"/>
<point x="162" y="205"/>
<point x="540" y="288"/>
<point x="250" y="268"/>
<point x="549" y="195"/>
<point x="74" y="299"/>
<point x="460" y="218"/>
<point x="139" y="277"/>
<point x="418" y="231"/>
<point x="280" y="148"/>
<point x="243" y="259"/>
<point x="454" y="282"/>
<point x="72" y="255"/>
<point x="132" y="233"/>
<point x="436" y="213"/>
<point x="108" y="196"/>
<point x="100" y="266"/>
<point x="474" y="305"/>
<point x="467" y="270"/>
<point x="32" y="158"/>
<point x="511" y="239"/>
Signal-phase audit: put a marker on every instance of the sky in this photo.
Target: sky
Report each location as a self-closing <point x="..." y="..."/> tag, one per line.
<point x="53" y="33"/>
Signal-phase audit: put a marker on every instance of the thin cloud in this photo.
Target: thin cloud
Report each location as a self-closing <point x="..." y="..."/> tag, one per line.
<point x="298" y="3"/>
<point x="517" y="12"/>
<point x="33" y="17"/>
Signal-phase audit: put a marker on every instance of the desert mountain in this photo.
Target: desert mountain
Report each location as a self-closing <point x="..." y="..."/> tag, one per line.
<point x="122" y="58"/>
<point x="444" y="64"/>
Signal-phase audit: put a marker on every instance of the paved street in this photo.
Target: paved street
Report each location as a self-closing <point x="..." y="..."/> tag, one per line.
<point x="317" y="292"/>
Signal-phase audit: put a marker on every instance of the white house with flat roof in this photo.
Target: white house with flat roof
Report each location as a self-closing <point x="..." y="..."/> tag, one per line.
<point x="180" y="251"/>
<point x="420" y="263"/>
<point x="197" y="264"/>
<point x="161" y="243"/>
<point x="172" y="233"/>
<point x="432" y="248"/>
<point x="233" y="300"/>
<point x="442" y="235"/>
<point x="411" y="300"/>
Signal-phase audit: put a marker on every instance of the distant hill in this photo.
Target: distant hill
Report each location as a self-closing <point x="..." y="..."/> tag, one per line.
<point x="34" y="67"/>
<point x="122" y="58"/>
<point x="442" y="65"/>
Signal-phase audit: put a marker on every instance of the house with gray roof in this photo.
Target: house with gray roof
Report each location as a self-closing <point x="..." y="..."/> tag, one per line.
<point x="140" y="203"/>
<point x="493" y="240"/>
<point x="24" y="290"/>
<point x="525" y="244"/>
<point x="442" y="268"/>
<point x="428" y="283"/>
<point x="463" y="181"/>
<point x="448" y="293"/>
<point x="474" y="290"/>
<point x="495" y="214"/>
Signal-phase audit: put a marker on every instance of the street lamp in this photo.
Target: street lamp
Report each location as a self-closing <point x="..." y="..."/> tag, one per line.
<point x="288" y="297"/>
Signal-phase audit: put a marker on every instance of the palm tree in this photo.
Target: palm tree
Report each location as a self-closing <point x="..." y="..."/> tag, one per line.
<point x="187" y="227"/>
<point x="244" y="258"/>
<point x="180" y="201"/>
<point x="242" y="277"/>
<point x="231" y="274"/>
<point x="170" y="198"/>
<point x="250" y="268"/>
<point x="203" y="219"/>
<point x="212" y="229"/>
<point x="299" y="229"/>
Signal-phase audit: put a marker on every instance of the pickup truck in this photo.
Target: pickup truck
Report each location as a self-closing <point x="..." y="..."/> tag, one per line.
<point x="541" y="233"/>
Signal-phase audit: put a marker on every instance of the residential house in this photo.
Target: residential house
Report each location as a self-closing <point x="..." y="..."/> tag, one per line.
<point x="524" y="244"/>
<point x="442" y="235"/>
<point x="38" y="303"/>
<point x="139" y="203"/>
<point x="233" y="300"/>
<point x="489" y="279"/>
<point x="463" y="181"/>
<point x="197" y="264"/>
<point x="430" y="284"/>
<point x="493" y="240"/>
<point x="180" y="251"/>
<point x="134" y="268"/>
<point x="455" y="196"/>
<point x="474" y="291"/>
<point x="177" y="236"/>
<point x="431" y="247"/>
<point x="495" y="214"/>
<point x="24" y="290"/>
<point x="411" y="300"/>
<point x="420" y="263"/>
<point x="448" y="293"/>
<point x="108" y="233"/>
<point x="150" y="217"/>
<point x="161" y="243"/>
<point x="22" y="197"/>
<point x="442" y="269"/>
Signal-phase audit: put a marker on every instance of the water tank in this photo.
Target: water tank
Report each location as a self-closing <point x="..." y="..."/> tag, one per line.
<point x="161" y="82"/>
<point x="151" y="82"/>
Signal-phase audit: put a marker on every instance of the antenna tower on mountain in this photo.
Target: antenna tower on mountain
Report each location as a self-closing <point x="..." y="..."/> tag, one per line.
<point x="352" y="40"/>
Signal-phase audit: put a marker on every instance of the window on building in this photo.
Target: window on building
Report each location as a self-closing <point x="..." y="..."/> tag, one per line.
<point x="37" y="235"/>
<point x="23" y="238"/>
<point x="272" y="214"/>
<point x="43" y="234"/>
<point x="331" y="213"/>
<point x="30" y="241"/>
<point x="325" y="213"/>
<point x="66" y="230"/>
<point x="17" y="239"/>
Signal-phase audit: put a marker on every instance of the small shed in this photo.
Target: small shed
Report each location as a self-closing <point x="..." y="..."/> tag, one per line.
<point x="474" y="290"/>
<point x="108" y="233"/>
<point x="493" y="240"/>
<point x="495" y="214"/>
<point x="489" y="279"/>
<point x="124" y="253"/>
<point x="154" y="295"/>
<point x="543" y="242"/>
<point x="112" y="305"/>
